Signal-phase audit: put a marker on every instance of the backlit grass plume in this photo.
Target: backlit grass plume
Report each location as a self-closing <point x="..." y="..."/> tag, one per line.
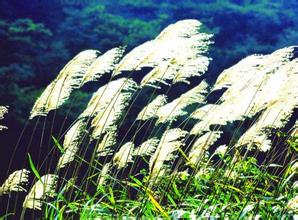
<point x="41" y="190"/>
<point x="262" y="80"/>
<point x="156" y="135"/>
<point x="176" y="108"/>
<point x="3" y="111"/>
<point x="87" y="66"/>
<point x="108" y="104"/>
<point x="166" y="151"/>
<point x="175" y="55"/>
<point x="15" y="182"/>
<point x="72" y="141"/>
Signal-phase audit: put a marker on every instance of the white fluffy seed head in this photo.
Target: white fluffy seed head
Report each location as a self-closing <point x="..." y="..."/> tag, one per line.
<point x="175" y="55"/>
<point x="170" y="142"/>
<point x="41" y="190"/>
<point x="71" y="143"/>
<point x="103" y="64"/>
<point x="104" y="147"/>
<point x="15" y="182"/>
<point x="176" y="108"/>
<point x="257" y="84"/>
<point x="147" y="148"/>
<point x="69" y="78"/>
<point x="201" y="145"/>
<point x="3" y="111"/>
<point x="124" y="155"/>
<point x="108" y="105"/>
<point x="150" y="110"/>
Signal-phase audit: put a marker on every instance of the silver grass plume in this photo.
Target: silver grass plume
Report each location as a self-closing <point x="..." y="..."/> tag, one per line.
<point x="248" y="79"/>
<point x="124" y="155"/>
<point x="176" y="54"/>
<point x="201" y="146"/>
<point x="3" y="111"/>
<point x="176" y="108"/>
<point x="69" y="78"/>
<point x="41" y="190"/>
<point x="252" y="70"/>
<point x="169" y="144"/>
<point x="150" y="110"/>
<point x="71" y="143"/>
<point x="86" y="66"/>
<point x="279" y="106"/>
<point x="292" y="204"/>
<point x="103" y="64"/>
<point x="104" y="173"/>
<point x="15" y="182"/>
<point x="104" y="147"/>
<point x="147" y="148"/>
<point x="220" y="114"/>
<point x="108" y="105"/>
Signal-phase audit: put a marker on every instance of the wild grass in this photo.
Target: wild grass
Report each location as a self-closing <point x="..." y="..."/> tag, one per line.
<point x="221" y="188"/>
<point x="155" y="146"/>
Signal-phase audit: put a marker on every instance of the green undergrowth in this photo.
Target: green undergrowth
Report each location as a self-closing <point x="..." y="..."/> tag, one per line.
<point x="222" y="186"/>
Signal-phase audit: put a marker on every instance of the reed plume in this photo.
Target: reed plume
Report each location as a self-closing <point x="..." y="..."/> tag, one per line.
<point x="15" y="182"/>
<point x="260" y="89"/>
<point x="3" y="111"/>
<point x="41" y="190"/>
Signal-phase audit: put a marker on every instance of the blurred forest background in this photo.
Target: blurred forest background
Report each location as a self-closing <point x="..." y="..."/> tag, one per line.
<point x="38" y="37"/>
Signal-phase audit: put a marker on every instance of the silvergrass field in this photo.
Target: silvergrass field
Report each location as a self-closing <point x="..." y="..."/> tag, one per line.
<point x="157" y="139"/>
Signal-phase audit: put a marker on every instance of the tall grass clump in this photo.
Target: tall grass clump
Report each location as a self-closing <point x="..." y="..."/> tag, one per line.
<point x="158" y="138"/>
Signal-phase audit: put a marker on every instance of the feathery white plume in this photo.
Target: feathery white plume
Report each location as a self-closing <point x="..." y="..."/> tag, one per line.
<point x="221" y="150"/>
<point x="71" y="143"/>
<point x="196" y="67"/>
<point x="108" y="105"/>
<point x="69" y="78"/>
<point x="176" y="108"/>
<point x="293" y="204"/>
<point x="170" y="142"/>
<point x="103" y="97"/>
<point x="41" y="190"/>
<point x="3" y="111"/>
<point x="124" y="155"/>
<point x="15" y="182"/>
<point x="104" y="173"/>
<point x="249" y="89"/>
<point x="221" y="114"/>
<point x="201" y="112"/>
<point x="252" y="71"/>
<point x="150" y="110"/>
<point x="201" y="145"/>
<point x="103" y="64"/>
<point x="147" y="147"/>
<point x="278" y="107"/>
<point x="176" y="54"/>
<point x="103" y="148"/>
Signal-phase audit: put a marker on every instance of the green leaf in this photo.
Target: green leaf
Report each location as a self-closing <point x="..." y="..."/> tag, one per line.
<point x="111" y="196"/>
<point x="33" y="168"/>
<point x="176" y="190"/>
<point x="170" y="198"/>
<point x="136" y="181"/>
<point x="57" y="144"/>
